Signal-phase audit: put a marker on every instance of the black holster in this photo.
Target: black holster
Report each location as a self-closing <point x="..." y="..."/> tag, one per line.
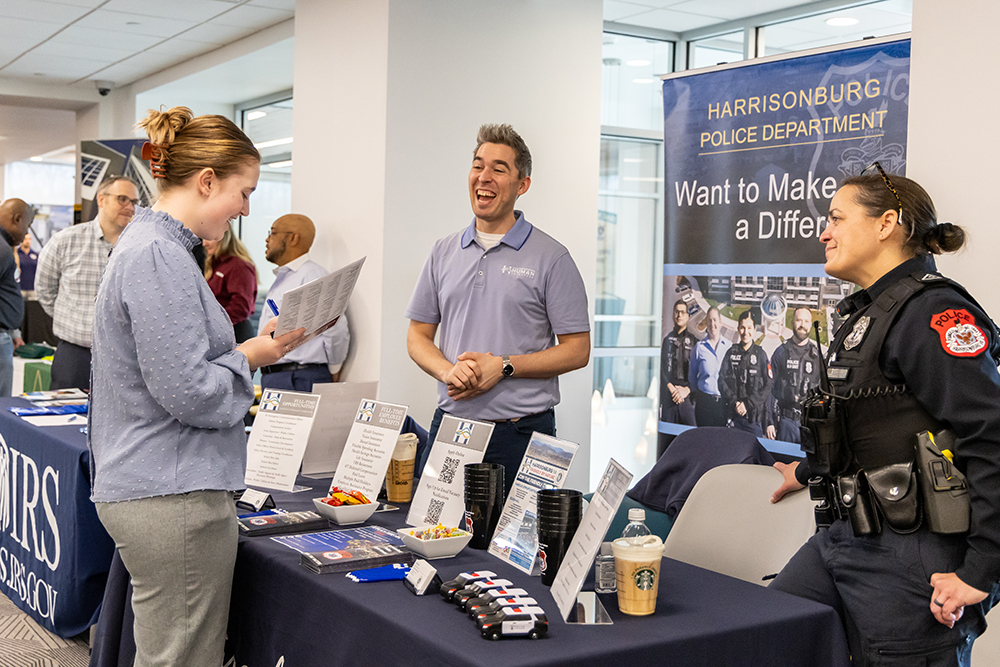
<point x="943" y="488"/>
<point x="823" y="434"/>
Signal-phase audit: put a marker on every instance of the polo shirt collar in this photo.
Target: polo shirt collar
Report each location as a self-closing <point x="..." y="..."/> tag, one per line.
<point x="514" y="238"/>
<point x="293" y="265"/>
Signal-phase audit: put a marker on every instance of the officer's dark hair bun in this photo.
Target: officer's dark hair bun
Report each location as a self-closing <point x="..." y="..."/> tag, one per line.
<point x="944" y="237"/>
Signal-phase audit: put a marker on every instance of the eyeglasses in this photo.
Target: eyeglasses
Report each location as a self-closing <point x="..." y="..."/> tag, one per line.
<point x="124" y="199"/>
<point x="888" y="184"/>
<point x="271" y="233"/>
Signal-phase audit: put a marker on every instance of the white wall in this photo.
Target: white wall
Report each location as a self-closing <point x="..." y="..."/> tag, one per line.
<point x="953" y="143"/>
<point x="388" y="98"/>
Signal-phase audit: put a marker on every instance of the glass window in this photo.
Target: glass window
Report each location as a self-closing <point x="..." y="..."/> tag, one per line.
<point x="269" y="126"/>
<point x="629" y="255"/>
<point x="631" y="91"/>
<point x="716" y="50"/>
<point x="878" y="19"/>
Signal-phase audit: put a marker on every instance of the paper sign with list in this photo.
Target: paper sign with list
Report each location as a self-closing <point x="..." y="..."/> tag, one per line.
<point x="278" y="439"/>
<point x="583" y="548"/>
<point x="369" y="447"/>
<point x="440" y="497"/>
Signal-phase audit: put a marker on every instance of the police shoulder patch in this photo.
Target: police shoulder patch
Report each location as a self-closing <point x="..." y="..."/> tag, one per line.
<point x="960" y="337"/>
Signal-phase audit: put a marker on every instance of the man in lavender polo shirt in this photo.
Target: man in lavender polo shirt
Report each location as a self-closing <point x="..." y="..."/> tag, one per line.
<point x="503" y="293"/>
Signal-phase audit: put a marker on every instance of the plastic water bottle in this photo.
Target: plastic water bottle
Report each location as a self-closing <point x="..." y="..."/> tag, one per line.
<point x="636" y="523"/>
<point x="605" y="579"/>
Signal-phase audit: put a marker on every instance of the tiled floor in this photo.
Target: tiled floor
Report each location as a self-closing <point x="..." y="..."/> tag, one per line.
<point x="24" y="643"/>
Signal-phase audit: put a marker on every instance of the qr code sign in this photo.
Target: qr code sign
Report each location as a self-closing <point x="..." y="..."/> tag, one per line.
<point x="448" y="470"/>
<point x="434" y="512"/>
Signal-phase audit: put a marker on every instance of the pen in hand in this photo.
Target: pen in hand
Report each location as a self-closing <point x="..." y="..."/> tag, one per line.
<point x="274" y="308"/>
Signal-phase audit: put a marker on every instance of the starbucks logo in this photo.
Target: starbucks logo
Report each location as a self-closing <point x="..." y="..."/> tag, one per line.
<point x="644" y="578"/>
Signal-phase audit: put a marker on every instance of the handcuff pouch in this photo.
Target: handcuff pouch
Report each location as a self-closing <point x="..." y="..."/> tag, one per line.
<point x="894" y="489"/>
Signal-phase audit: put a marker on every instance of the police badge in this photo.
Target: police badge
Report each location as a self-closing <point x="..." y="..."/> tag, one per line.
<point x="857" y="333"/>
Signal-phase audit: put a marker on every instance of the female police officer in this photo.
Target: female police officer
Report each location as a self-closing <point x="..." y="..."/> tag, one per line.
<point x="916" y="354"/>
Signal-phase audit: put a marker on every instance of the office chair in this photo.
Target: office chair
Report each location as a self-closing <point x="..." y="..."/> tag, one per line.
<point x="729" y="524"/>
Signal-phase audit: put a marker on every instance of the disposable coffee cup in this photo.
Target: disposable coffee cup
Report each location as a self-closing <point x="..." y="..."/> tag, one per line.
<point x="399" y="479"/>
<point x="637" y="569"/>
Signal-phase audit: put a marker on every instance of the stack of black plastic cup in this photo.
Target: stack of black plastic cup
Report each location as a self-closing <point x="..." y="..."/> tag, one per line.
<point x="559" y="514"/>
<point x="483" y="501"/>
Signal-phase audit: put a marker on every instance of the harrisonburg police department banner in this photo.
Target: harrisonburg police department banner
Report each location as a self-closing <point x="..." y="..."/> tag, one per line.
<point x="753" y="154"/>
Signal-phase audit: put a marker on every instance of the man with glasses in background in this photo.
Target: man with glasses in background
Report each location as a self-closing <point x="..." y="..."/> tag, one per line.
<point x="70" y="268"/>
<point x="317" y="360"/>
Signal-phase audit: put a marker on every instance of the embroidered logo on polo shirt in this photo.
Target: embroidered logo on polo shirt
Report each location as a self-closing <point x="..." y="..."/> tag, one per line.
<point x="515" y="272"/>
<point x="960" y="337"/>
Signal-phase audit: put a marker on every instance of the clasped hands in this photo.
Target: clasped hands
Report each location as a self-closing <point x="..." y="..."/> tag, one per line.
<point x="473" y="374"/>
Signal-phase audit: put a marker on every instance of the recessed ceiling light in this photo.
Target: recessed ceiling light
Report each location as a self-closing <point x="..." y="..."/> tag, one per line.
<point x="35" y="158"/>
<point x="643" y="80"/>
<point x="254" y="115"/>
<point x="841" y="21"/>
<point x="273" y="142"/>
<point x="637" y="63"/>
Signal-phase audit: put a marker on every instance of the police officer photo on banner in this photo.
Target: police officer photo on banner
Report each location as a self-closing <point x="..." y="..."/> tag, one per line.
<point x="738" y="350"/>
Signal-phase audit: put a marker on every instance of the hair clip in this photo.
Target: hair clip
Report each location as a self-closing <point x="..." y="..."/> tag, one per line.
<point x="153" y="153"/>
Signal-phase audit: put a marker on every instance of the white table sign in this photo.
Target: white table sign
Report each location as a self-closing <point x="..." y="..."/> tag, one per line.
<point x="278" y="438"/>
<point x="544" y="466"/>
<point x="440" y="497"/>
<point x="369" y="447"/>
<point x="583" y="548"/>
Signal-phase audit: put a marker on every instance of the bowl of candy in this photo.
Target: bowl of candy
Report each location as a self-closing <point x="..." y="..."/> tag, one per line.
<point x="434" y="541"/>
<point x="345" y="508"/>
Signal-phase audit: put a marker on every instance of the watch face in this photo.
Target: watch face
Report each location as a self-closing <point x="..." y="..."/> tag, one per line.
<point x="508" y="370"/>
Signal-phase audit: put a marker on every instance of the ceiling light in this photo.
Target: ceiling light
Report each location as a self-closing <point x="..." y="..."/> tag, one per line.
<point x="254" y="115"/>
<point x="841" y="21"/>
<point x="280" y="165"/>
<point x="637" y="63"/>
<point x="643" y="80"/>
<point x="35" y="158"/>
<point x="273" y="142"/>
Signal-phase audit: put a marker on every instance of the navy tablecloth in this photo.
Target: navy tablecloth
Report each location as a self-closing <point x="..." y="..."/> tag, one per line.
<point x="54" y="552"/>
<point x="283" y="614"/>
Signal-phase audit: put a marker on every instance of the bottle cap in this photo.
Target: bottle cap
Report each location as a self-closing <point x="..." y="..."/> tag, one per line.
<point x="636" y="514"/>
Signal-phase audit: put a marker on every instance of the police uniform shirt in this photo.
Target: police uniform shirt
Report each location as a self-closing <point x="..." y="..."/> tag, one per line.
<point x="796" y="371"/>
<point x="675" y="358"/>
<point x="746" y="378"/>
<point x="939" y="347"/>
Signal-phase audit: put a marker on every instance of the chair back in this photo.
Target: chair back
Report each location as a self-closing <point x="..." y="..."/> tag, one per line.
<point x="729" y="524"/>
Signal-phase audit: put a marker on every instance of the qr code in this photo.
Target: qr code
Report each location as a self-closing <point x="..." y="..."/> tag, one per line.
<point x="448" y="470"/>
<point x="434" y="512"/>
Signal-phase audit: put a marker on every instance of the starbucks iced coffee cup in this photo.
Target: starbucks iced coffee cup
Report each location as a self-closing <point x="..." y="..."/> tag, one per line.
<point x="637" y="568"/>
<point x="399" y="479"/>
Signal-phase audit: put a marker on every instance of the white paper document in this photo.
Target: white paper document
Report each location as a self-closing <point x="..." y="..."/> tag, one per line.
<point x="369" y="447"/>
<point x="440" y="497"/>
<point x="56" y="420"/>
<point x="580" y="556"/>
<point x="333" y="424"/>
<point x="318" y="305"/>
<point x="278" y="438"/>
<point x="544" y="466"/>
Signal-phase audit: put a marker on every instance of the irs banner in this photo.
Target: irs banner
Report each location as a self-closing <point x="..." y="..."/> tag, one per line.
<point x="754" y="154"/>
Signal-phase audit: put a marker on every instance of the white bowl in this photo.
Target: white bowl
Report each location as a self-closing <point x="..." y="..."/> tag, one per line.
<point x="443" y="547"/>
<point x="345" y="515"/>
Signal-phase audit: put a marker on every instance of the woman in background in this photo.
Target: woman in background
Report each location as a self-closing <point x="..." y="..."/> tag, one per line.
<point x="233" y="278"/>
<point x="170" y="388"/>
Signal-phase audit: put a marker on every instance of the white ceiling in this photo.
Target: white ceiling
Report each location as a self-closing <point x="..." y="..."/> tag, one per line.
<point x="70" y="41"/>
